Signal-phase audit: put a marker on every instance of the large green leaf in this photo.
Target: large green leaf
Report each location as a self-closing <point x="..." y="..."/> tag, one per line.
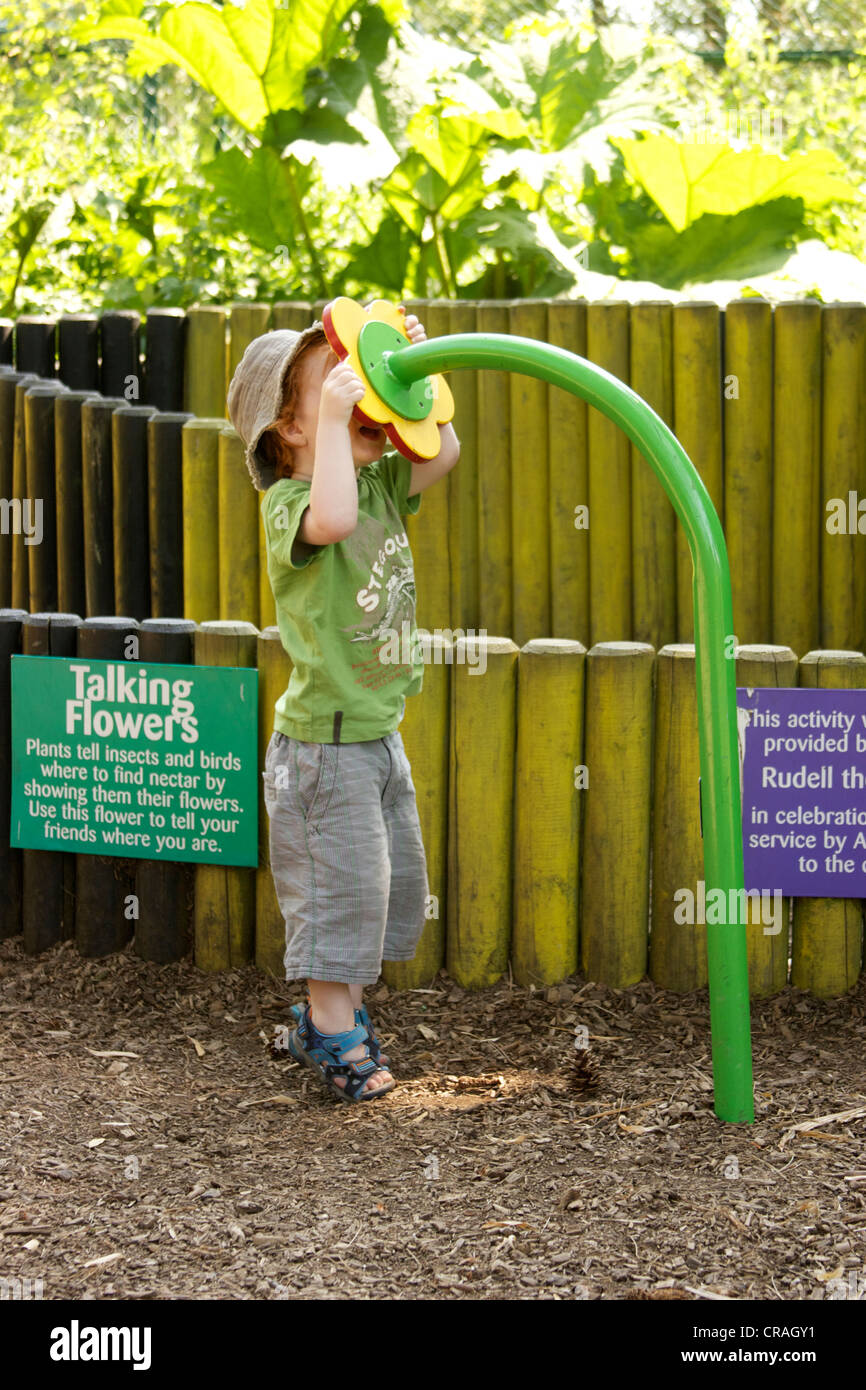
<point x="414" y="73"/>
<point x="575" y="95"/>
<point x="257" y="187"/>
<point x="323" y="125"/>
<point x="687" y="180"/>
<point x="251" y="29"/>
<point x="343" y="84"/>
<point x="448" y="143"/>
<point x="526" y="237"/>
<point x="304" y="37"/>
<point x="254" y="58"/>
<point x="755" y="241"/>
<point x="463" y="97"/>
<point x="382" y="264"/>
<point x="416" y="189"/>
<point x="196" y="38"/>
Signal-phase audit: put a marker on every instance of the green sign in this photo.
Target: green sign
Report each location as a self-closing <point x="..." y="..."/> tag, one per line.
<point x="143" y="762"/>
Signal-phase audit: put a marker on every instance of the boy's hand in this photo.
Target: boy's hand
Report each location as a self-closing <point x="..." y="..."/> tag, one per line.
<point x="414" y="328"/>
<point x="341" y="391"/>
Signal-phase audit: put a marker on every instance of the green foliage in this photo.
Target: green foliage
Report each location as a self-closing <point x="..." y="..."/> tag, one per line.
<point x="254" y="58"/>
<point x="686" y="180"/>
<point x="171" y="153"/>
<point x="755" y="241"/>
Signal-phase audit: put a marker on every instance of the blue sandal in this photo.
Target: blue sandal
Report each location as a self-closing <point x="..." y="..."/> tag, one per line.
<point x="362" y="1020"/>
<point x="324" y="1053"/>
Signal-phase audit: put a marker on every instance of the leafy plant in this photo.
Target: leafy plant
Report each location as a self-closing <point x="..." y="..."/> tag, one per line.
<point x="171" y="153"/>
<point x="255" y="61"/>
<point x="707" y="211"/>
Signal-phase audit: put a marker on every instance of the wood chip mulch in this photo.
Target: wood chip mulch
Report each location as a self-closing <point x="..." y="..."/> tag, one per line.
<point x="539" y="1144"/>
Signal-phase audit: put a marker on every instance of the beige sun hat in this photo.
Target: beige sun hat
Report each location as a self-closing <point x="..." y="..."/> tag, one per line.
<point x="255" y="396"/>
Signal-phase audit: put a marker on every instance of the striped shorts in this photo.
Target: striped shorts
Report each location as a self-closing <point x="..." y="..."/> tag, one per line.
<point x="347" y="856"/>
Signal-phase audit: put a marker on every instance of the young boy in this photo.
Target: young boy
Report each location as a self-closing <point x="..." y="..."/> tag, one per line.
<point x="346" y="850"/>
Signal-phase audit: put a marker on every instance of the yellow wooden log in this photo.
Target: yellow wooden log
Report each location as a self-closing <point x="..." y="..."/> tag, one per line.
<point x="20" y="557"/>
<point x="748" y="465"/>
<point x="843" y="480"/>
<point x="797" y="511"/>
<point x="697" y="425"/>
<point x="495" y="564"/>
<point x="758" y="667"/>
<point x="547" y="810"/>
<point x="653" y="519"/>
<point x="200" y="490"/>
<point x="827" y="938"/>
<point x="7" y="436"/>
<point x="204" y="389"/>
<point x="530" y="507"/>
<point x="97" y="502"/>
<point x="424" y="731"/>
<point x="567" y="433"/>
<point x="238" y="533"/>
<point x="292" y="313"/>
<point x="481" y="788"/>
<point x="430" y="532"/>
<point x="41" y="484"/>
<point x="610" y="580"/>
<point x="462" y="483"/>
<point x="275" y="669"/>
<point x="225" y="898"/>
<point x="614" y="917"/>
<point x="246" y="322"/>
<point x="678" y="949"/>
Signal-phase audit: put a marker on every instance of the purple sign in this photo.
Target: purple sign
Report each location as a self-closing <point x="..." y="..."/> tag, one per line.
<point x="803" y="755"/>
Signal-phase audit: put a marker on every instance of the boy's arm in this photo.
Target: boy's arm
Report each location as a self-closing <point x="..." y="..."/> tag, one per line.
<point x="425" y="474"/>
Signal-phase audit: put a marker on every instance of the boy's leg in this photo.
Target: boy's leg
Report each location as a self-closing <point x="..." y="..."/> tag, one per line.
<point x="407" y="903"/>
<point x="332" y="1009"/>
<point x="329" y="859"/>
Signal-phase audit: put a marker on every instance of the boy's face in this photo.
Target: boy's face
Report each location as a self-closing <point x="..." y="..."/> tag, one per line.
<point x="367" y="444"/>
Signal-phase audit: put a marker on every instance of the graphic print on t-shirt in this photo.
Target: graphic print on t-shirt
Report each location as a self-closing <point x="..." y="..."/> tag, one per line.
<point x="385" y="603"/>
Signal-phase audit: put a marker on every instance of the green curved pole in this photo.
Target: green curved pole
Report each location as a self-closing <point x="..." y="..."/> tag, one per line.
<point x="714" y="645"/>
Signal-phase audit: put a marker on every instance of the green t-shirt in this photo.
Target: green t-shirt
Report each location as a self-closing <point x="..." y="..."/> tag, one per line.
<point x="340" y="605"/>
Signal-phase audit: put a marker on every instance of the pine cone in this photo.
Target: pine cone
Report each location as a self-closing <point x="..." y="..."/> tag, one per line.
<point x="584" y="1075"/>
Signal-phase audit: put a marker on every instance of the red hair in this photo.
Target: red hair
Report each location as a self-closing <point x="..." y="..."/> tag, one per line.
<point x="273" y="448"/>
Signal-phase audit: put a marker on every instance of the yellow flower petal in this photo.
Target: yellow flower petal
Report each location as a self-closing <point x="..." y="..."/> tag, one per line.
<point x="421" y="436"/>
<point x="343" y="320"/>
<point x="443" y="401"/>
<point x="384" y="312"/>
